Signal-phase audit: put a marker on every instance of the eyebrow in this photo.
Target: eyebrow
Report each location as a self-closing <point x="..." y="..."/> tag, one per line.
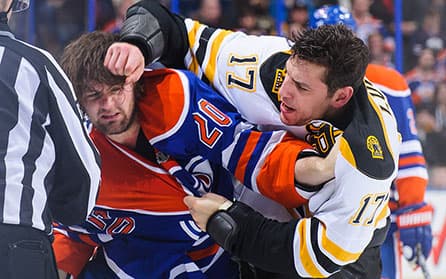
<point x="302" y="84"/>
<point x="298" y="83"/>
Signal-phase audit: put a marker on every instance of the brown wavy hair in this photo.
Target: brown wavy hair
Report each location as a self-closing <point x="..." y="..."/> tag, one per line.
<point x="83" y="62"/>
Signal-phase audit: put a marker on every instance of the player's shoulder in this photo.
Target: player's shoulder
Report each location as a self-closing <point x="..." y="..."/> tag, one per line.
<point x="162" y="75"/>
<point x="386" y="78"/>
<point x="371" y="139"/>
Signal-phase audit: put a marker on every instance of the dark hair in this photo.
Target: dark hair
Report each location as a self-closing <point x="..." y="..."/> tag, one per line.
<point x="83" y="62"/>
<point x="336" y="48"/>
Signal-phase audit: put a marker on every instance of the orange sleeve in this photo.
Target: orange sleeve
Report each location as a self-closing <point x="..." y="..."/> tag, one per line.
<point x="410" y="190"/>
<point x="386" y="76"/>
<point x="276" y="178"/>
<point x="71" y="256"/>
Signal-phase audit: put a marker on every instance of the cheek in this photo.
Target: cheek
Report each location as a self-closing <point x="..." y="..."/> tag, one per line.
<point x="91" y="112"/>
<point x="130" y="107"/>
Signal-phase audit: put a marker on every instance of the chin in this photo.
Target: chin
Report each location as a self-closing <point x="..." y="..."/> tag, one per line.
<point x="285" y="120"/>
<point x="282" y="118"/>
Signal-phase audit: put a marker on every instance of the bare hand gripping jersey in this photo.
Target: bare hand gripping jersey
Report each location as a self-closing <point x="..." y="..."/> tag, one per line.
<point x="140" y="224"/>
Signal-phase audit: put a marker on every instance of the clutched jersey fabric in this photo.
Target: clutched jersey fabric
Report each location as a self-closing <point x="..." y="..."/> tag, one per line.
<point x="141" y="225"/>
<point x="201" y="122"/>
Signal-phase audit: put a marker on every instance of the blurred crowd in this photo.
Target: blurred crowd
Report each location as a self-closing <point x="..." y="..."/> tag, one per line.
<point x="57" y="22"/>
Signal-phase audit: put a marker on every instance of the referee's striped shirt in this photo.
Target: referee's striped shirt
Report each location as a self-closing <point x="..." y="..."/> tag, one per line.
<point x="49" y="168"/>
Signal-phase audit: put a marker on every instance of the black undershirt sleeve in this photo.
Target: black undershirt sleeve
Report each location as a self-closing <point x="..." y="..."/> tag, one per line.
<point x="251" y="237"/>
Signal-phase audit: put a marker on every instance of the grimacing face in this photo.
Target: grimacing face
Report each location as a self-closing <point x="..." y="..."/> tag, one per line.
<point x="304" y="94"/>
<point x="111" y="109"/>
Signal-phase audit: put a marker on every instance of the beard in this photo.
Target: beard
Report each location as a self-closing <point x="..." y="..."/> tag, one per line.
<point x="116" y="127"/>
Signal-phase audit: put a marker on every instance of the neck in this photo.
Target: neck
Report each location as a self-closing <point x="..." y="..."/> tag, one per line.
<point x="340" y="118"/>
<point x="129" y="137"/>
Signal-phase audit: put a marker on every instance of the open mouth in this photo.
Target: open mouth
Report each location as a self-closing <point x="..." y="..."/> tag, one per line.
<point x="285" y="108"/>
<point x="110" y="116"/>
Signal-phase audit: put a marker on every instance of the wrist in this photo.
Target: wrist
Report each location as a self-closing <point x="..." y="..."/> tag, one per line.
<point x="225" y="205"/>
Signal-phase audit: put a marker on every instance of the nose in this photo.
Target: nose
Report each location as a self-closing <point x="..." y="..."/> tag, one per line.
<point x="284" y="91"/>
<point x="112" y="97"/>
<point x="107" y="101"/>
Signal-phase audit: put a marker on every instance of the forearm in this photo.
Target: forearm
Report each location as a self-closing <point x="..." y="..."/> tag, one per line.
<point x="312" y="171"/>
<point x="262" y="242"/>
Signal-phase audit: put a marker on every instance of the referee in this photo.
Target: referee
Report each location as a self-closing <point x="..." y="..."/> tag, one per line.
<point x="49" y="168"/>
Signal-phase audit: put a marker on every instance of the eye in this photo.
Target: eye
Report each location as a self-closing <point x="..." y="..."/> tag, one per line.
<point x="301" y="87"/>
<point x="93" y="96"/>
<point x="116" y="90"/>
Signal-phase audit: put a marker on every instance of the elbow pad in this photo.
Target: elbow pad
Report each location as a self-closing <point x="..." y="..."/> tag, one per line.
<point x="158" y="33"/>
<point x="142" y="29"/>
<point x="223" y="229"/>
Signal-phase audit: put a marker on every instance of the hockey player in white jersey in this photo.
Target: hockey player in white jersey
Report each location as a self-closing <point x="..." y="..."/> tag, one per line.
<point x="407" y="193"/>
<point x="343" y="228"/>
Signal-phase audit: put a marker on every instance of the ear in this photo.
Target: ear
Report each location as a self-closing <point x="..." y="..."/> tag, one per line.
<point x="342" y="96"/>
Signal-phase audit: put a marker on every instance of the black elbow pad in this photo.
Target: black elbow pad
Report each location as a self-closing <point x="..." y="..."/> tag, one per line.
<point x="142" y="29"/>
<point x="159" y="33"/>
<point x="222" y="228"/>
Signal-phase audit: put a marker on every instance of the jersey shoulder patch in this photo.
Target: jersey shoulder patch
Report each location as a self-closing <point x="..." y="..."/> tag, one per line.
<point x="272" y="74"/>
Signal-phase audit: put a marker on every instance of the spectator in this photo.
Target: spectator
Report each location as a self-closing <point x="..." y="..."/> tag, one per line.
<point x="214" y="13"/>
<point x="380" y="53"/>
<point x="441" y="63"/>
<point x="433" y="121"/>
<point x="248" y="23"/>
<point x="440" y="6"/>
<point x="297" y="17"/>
<point x="265" y="23"/>
<point x="366" y="23"/>
<point x="423" y="79"/>
<point x="58" y="22"/>
<point x="105" y="13"/>
<point x="49" y="167"/>
<point x="383" y="10"/>
<point x="429" y="34"/>
<point x="413" y="14"/>
<point x="120" y="7"/>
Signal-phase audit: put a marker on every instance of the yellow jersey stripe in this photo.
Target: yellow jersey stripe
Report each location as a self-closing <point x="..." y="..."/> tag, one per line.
<point x="346" y="151"/>
<point x="192" y="36"/>
<point x="382" y="214"/>
<point x="212" y="64"/>
<point x="379" y="114"/>
<point x="307" y="261"/>
<point x="335" y="250"/>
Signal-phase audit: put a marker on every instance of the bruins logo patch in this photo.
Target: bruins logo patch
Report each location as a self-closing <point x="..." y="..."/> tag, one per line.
<point x="374" y="147"/>
<point x="278" y="80"/>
